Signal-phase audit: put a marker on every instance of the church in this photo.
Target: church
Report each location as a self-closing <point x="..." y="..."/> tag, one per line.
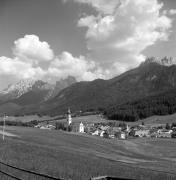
<point x="76" y="127"/>
<point x="69" y="118"/>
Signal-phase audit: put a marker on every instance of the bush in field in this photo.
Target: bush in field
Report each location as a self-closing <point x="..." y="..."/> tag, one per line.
<point x="60" y="126"/>
<point x="69" y="128"/>
<point x="173" y="125"/>
<point x="106" y="135"/>
<point x="168" y="126"/>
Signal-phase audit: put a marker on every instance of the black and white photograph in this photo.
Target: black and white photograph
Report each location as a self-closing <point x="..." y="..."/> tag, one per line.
<point x="87" y="89"/>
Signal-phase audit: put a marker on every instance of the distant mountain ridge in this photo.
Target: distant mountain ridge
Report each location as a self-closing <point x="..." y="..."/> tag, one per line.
<point x="63" y="83"/>
<point x="31" y="92"/>
<point x="18" y="89"/>
<point x="150" y="78"/>
<point x="166" y="61"/>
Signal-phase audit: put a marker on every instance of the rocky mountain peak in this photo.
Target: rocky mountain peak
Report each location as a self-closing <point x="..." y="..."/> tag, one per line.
<point x="20" y="87"/>
<point x="165" y="61"/>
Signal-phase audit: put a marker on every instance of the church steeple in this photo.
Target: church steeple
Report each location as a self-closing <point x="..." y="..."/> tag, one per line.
<point x="69" y="118"/>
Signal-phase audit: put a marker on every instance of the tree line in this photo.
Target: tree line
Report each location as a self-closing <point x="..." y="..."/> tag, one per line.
<point x="162" y="104"/>
<point x="19" y="123"/>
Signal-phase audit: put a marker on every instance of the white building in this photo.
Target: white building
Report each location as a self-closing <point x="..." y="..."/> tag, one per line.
<point x="102" y="133"/>
<point x="95" y="133"/>
<point x="81" y="127"/>
<point x="142" y="133"/>
<point x="69" y="118"/>
<point x="127" y="128"/>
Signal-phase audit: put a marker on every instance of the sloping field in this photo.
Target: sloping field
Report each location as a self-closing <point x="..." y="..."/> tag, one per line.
<point x="87" y="119"/>
<point x="7" y="134"/>
<point x="73" y="156"/>
<point x="161" y="119"/>
<point x="155" y="120"/>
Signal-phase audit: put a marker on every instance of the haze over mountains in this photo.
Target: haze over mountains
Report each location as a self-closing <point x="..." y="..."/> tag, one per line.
<point x="149" y="79"/>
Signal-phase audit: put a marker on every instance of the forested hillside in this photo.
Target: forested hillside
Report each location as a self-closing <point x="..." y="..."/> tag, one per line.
<point x="162" y="104"/>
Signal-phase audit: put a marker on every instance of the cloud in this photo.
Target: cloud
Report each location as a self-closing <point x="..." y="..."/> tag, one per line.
<point x="30" y="53"/>
<point x="30" y="48"/>
<point x="67" y="65"/>
<point x="172" y="12"/>
<point x="98" y="28"/>
<point x="102" y="6"/>
<point x="116" y="35"/>
<point x="121" y="30"/>
<point x="13" y="70"/>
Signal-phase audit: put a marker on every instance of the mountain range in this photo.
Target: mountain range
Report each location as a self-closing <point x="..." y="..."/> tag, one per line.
<point x="150" y="78"/>
<point x="29" y="92"/>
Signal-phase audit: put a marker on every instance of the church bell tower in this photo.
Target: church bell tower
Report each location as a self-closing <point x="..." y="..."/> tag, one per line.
<point x="69" y="118"/>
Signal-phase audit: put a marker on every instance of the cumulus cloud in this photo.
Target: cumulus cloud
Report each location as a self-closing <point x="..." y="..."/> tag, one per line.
<point x="123" y="29"/>
<point x="116" y="35"/>
<point x="30" y="48"/>
<point x="30" y="52"/>
<point x="67" y="65"/>
<point x="13" y="70"/>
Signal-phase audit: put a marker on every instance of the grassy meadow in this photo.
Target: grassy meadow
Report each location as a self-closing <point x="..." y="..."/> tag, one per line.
<point x="86" y="119"/>
<point x="79" y="157"/>
<point x="26" y="118"/>
<point x="155" y="120"/>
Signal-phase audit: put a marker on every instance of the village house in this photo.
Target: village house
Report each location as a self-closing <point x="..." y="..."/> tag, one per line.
<point x="96" y="132"/>
<point x="104" y="128"/>
<point x="81" y="128"/>
<point x="37" y="126"/>
<point x="102" y="133"/>
<point x="142" y="133"/>
<point x="47" y="126"/>
<point x="110" y="132"/>
<point x="89" y="128"/>
<point x="163" y="133"/>
<point x="153" y="133"/>
<point x="121" y="135"/>
<point x="173" y="135"/>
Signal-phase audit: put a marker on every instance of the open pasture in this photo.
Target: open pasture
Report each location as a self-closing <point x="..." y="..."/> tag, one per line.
<point x="86" y="119"/>
<point x="155" y="120"/>
<point x="74" y="156"/>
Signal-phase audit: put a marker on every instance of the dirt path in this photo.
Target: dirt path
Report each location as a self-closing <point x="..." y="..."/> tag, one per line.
<point x="8" y="134"/>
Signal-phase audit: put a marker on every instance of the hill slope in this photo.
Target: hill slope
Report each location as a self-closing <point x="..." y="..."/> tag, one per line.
<point x="148" y="79"/>
<point x="80" y="157"/>
<point x="29" y="94"/>
<point x="161" y="104"/>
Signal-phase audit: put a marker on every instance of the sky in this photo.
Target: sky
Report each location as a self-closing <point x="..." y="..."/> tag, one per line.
<point x="88" y="39"/>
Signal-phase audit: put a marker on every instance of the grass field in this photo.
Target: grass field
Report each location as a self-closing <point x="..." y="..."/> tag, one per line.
<point x="73" y="156"/>
<point x="155" y="120"/>
<point x="26" y="118"/>
<point x="86" y="119"/>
